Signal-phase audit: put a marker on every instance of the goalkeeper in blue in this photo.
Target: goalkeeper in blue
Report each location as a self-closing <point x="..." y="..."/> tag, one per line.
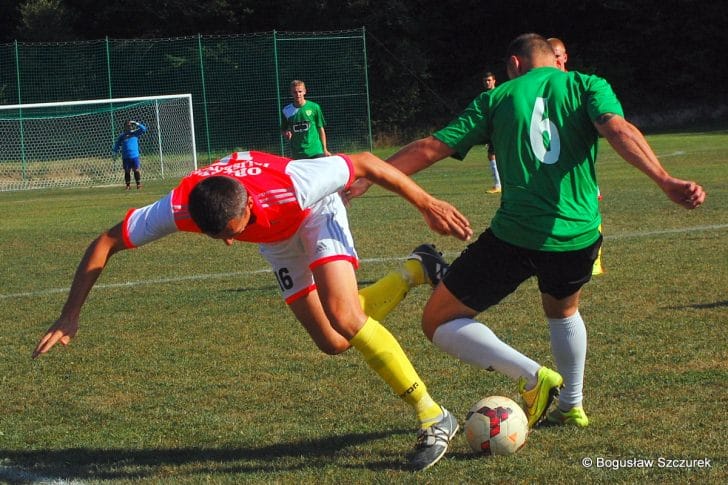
<point x="128" y="143"/>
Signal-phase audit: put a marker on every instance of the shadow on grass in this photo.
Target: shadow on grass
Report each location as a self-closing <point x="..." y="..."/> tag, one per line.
<point x="715" y="304"/>
<point x="17" y="466"/>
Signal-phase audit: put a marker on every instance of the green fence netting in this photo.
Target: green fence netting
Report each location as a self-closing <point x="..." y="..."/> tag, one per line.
<point x="239" y="83"/>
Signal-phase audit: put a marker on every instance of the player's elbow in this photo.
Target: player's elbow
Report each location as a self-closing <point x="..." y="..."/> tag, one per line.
<point x="623" y="136"/>
<point x="613" y="127"/>
<point x="365" y="165"/>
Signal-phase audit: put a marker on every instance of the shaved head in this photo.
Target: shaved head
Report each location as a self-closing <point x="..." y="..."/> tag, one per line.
<point x="526" y="52"/>
<point x="530" y="46"/>
<point x="556" y="43"/>
<point x="560" y="52"/>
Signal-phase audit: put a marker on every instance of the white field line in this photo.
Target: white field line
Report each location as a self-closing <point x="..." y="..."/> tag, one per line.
<point x="200" y="277"/>
<point x="673" y="154"/>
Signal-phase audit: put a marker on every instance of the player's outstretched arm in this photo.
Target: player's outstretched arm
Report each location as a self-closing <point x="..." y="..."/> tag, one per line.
<point x="410" y="159"/>
<point x="420" y="154"/>
<point x="89" y="269"/>
<point x="631" y="145"/>
<point x="441" y="216"/>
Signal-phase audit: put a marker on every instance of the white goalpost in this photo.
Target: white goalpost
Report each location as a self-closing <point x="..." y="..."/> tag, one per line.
<point x="69" y="144"/>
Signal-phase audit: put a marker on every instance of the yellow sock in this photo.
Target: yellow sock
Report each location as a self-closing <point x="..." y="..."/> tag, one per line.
<point x="598" y="269"/>
<point x="385" y="356"/>
<point x="415" y="271"/>
<point x="381" y="297"/>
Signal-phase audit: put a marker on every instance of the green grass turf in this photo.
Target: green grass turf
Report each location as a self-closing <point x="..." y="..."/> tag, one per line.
<point x="188" y="368"/>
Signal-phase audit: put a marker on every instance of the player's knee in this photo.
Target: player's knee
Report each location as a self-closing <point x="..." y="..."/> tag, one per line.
<point x="346" y="319"/>
<point x="429" y="325"/>
<point x="430" y="318"/>
<point x="334" y="347"/>
<point x="331" y="342"/>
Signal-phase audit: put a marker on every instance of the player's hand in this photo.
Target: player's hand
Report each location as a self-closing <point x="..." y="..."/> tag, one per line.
<point x="445" y="219"/>
<point x="63" y="330"/>
<point x="357" y="189"/>
<point x="685" y="193"/>
<point x="288" y="134"/>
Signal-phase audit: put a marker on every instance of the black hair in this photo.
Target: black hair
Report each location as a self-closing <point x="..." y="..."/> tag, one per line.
<point x="215" y="201"/>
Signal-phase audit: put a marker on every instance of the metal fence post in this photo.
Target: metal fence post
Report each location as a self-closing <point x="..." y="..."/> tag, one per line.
<point x="366" y="85"/>
<point x="204" y="96"/>
<point x="278" y="89"/>
<point x="24" y="162"/>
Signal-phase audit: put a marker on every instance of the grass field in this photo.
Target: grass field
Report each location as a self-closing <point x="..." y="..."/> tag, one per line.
<point x="188" y="368"/>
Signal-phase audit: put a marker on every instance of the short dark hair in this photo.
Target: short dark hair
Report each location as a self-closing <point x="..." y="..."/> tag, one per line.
<point x="215" y="201"/>
<point x="488" y="74"/>
<point x="529" y="45"/>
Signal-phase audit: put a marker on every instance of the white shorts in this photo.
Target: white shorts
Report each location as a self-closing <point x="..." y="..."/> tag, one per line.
<point x="324" y="236"/>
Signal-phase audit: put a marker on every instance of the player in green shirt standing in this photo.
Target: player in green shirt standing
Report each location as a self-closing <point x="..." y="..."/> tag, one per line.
<point x="545" y="123"/>
<point x="488" y="84"/>
<point x="303" y="125"/>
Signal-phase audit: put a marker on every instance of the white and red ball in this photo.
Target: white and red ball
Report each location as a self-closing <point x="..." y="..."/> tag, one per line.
<point x="496" y="425"/>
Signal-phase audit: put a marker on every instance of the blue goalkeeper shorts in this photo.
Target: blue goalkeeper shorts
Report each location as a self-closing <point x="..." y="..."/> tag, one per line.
<point x="131" y="163"/>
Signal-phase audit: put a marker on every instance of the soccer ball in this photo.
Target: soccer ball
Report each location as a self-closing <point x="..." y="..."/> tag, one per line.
<point x="496" y="425"/>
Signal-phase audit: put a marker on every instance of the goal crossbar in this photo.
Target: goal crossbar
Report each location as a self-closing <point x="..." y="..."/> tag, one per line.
<point x="58" y="144"/>
<point x="5" y="107"/>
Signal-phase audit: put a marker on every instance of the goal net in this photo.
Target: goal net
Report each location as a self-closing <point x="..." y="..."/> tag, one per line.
<point x="70" y="144"/>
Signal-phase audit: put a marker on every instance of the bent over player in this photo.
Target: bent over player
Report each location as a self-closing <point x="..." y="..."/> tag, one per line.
<point x="292" y="209"/>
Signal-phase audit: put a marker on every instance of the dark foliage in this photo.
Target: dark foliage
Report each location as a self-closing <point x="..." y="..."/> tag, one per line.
<point x="426" y="58"/>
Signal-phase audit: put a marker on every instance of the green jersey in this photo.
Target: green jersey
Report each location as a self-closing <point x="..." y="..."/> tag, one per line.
<point x="541" y="126"/>
<point x="304" y="123"/>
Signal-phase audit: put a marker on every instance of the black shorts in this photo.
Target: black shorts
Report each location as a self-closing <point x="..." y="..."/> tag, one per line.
<point x="490" y="269"/>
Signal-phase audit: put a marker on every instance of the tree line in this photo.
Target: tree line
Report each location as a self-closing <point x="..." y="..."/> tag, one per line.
<point x="664" y="58"/>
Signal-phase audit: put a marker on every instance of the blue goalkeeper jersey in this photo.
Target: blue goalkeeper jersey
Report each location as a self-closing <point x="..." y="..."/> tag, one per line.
<point x="128" y="141"/>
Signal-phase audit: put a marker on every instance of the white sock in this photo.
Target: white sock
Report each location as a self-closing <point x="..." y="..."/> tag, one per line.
<point x="568" y="346"/>
<point x="474" y="343"/>
<point x="496" y="177"/>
